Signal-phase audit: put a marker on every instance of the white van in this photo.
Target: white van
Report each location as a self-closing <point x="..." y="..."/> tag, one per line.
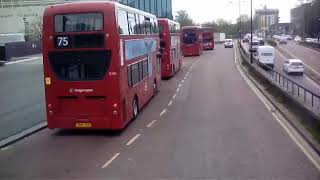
<point x="266" y="55"/>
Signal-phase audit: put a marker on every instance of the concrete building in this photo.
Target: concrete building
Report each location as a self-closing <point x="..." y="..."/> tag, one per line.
<point x="305" y="19"/>
<point x="266" y="20"/>
<point x="17" y="16"/>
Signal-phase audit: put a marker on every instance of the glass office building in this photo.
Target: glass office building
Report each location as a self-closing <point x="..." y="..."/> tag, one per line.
<point x="160" y="8"/>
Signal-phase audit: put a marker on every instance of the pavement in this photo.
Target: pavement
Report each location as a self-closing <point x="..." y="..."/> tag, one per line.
<point x="205" y="123"/>
<point x="22" y="96"/>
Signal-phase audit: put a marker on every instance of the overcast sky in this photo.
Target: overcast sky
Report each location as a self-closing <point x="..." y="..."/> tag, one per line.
<point x="207" y="10"/>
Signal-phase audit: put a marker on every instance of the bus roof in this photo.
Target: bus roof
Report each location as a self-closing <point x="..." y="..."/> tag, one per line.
<point x="167" y="20"/>
<point x="190" y="27"/>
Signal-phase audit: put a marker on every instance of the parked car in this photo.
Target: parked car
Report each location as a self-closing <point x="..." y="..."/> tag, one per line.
<point x="288" y="37"/>
<point x="255" y="45"/>
<point x="245" y="39"/>
<point x="228" y="43"/>
<point x="266" y="55"/>
<point x="293" y="66"/>
<point x="283" y="40"/>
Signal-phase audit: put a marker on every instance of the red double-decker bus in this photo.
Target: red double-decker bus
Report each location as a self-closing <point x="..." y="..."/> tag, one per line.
<point x="191" y="41"/>
<point x="207" y="38"/>
<point x="169" y="32"/>
<point x="100" y="64"/>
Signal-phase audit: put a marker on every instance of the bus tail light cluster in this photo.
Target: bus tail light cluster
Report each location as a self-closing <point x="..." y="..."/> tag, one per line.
<point x="115" y="107"/>
<point x="168" y="66"/>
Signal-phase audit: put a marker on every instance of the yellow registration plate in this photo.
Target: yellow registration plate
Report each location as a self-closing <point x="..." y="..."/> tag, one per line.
<point x="83" y="125"/>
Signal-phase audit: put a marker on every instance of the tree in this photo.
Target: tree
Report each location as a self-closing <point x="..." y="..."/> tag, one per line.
<point x="183" y="18"/>
<point x="35" y="29"/>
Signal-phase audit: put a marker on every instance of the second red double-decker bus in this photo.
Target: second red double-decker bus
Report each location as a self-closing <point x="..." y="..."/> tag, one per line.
<point x="100" y="64"/>
<point x="191" y="41"/>
<point x="169" y="32"/>
<point x="207" y="38"/>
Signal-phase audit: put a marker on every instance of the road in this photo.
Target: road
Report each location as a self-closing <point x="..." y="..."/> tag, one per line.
<point x="309" y="56"/>
<point x="212" y="126"/>
<point x="303" y="80"/>
<point x="22" y="96"/>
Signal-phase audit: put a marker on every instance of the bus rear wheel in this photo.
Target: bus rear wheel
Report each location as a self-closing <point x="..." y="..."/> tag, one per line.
<point x="155" y="87"/>
<point x="135" y="108"/>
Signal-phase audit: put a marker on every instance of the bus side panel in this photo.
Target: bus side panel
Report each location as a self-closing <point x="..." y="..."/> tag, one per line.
<point x="166" y="63"/>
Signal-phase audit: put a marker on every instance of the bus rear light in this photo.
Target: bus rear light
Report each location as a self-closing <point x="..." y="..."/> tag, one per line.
<point x="50" y="37"/>
<point x="50" y="112"/>
<point x="115" y="112"/>
<point x="107" y="35"/>
<point x="115" y="105"/>
<point x="49" y="105"/>
<point x="48" y="81"/>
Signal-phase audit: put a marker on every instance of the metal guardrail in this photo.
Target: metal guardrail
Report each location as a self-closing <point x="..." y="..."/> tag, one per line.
<point x="307" y="97"/>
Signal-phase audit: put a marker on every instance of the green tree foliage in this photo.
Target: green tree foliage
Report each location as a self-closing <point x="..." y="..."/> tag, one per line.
<point x="183" y="18"/>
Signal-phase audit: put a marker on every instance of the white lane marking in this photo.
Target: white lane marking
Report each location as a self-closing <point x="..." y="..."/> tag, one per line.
<point x="5" y="148"/>
<point x="163" y="112"/>
<point x="185" y="77"/>
<point x="110" y="160"/>
<point x="133" y="139"/>
<point x="151" y="123"/>
<point x="23" y="60"/>
<point x="297" y="142"/>
<point x="178" y="89"/>
<point x="174" y="96"/>
<point x="293" y="138"/>
<point x="182" y="81"/>
<point x="180" y="85"/>
<point x="170" y="103"/>
<point x="312" y="82"/>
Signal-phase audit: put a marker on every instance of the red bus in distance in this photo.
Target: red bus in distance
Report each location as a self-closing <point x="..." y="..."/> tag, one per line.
<point x="100" y="64"/>
<point x="191" y="41"/>
<point x="169" y="32"/>
<point x="207" y="38"/>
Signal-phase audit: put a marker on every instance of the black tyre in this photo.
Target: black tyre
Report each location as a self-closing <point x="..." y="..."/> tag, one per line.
<point x="135" y="108"/>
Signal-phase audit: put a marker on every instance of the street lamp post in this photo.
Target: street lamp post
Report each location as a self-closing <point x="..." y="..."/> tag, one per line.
<point x="251" y="55"/>
<point x="25" y="28"/>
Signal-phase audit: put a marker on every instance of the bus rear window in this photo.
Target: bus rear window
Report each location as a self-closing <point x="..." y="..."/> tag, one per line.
<point x="161" y="28"/>
<point x="189" y="37"/>
<point x="83" y="22"/>
<point x="267" y="54"/>
<point x="80" y="65"/>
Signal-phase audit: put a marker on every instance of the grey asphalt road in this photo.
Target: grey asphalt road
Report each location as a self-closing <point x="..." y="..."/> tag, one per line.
<point x="214" y="128"/>
<point x="303" y="80"/>
<point x="307" y="55"/>
<point x="21" y="97"/>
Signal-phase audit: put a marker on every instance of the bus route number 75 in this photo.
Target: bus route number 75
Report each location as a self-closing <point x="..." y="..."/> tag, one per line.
<point x="63" y="41"/>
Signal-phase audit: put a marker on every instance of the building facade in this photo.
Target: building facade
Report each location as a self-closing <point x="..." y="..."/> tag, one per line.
<point x="266" y="20"/>
<point x="305" y="19"/>
<point x="19" y="16"/>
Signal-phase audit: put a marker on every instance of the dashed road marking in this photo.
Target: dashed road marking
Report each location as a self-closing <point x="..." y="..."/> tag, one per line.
<point x="163" y="112"/>
<point x="133" y="139"/>
<point x="180" y="85"/>
<point x="170" y="103"/>
<point x="182" y="81"/>
<point x="5" y="148"/>
<point x="110" y="160"/>
<point x="174" y="96"/>
<point x="151" y="123"/>
<point x="178" y="89"/>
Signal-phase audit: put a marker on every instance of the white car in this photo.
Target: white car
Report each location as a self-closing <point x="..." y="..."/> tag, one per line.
<point x="228" y="43"/>
<point x="293" y="66"/>
<point x="255" y="45"/>
<point x="309" y="40"/>
<point x="283" y="40"/>
<point x="297" y="39"/>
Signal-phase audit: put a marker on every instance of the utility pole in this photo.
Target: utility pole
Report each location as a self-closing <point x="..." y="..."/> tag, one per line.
<point x="251" y="55"/>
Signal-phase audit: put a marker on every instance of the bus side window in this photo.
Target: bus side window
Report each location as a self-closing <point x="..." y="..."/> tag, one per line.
<point x="123" y="22"/>
<point x="129" y="76"/>
<point x="155" y="27"/>
<point x="148" y="25"/>
<point x="131" y="23"/>
<point x="142" y="26"/>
